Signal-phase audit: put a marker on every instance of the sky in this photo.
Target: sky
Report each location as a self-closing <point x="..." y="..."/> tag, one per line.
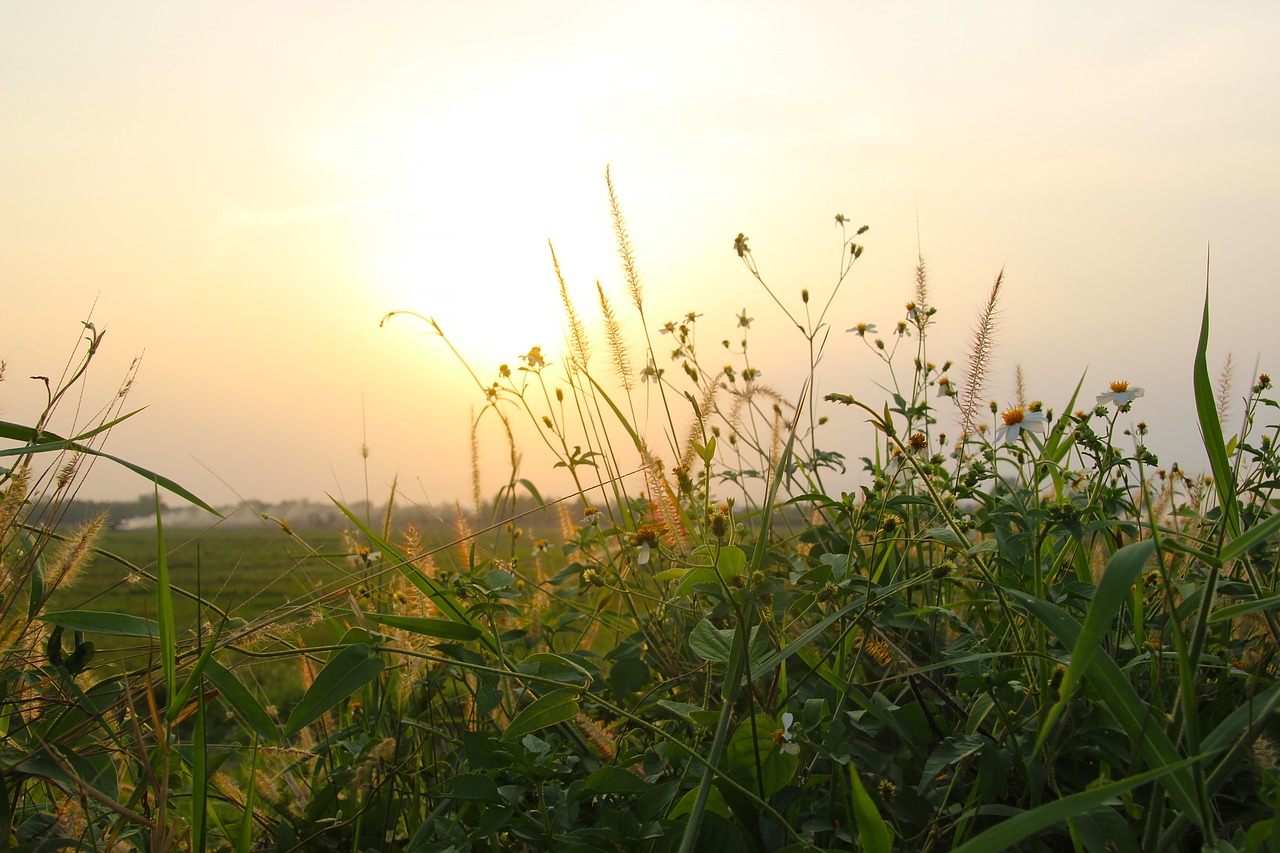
<point x="238" y="192"/>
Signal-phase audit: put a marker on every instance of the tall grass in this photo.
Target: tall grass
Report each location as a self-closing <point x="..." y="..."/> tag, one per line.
<point x="1021" y="632"/>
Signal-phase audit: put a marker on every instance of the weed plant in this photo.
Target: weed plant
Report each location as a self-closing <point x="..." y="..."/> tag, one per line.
<point x="1020" y="633"/>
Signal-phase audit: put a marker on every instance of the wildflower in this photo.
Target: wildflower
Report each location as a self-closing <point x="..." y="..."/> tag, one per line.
<point x="782" y="737"/>
<point x="902" y="328"/>
<point x="945" y="388"/>
<point x="728" y="372"/>
<point x="913" y="311"/>
<point x="504" y="370"/>
<point x="645" y="539"/>
<point x="590" y="516"/>
<point x="364" y="557"/>
<point x="740" y="245"/>
<point x="841" y="219"/>
<point x="888" y="791"/>
<point x="1016" y="420"/>
<point x="1264" y="382"/>
<point x="917" y="442"/>
<point x="862" y="329"/>
<point x="668" y="328"/>
<point x="691" y="317"/>
<point x="533" y="358"/>
<point x="744" y="322"/>
<point x="750" y="373"/>
<point x="541" y="546"/>
<point x="1120" y="395"/>
<point x="651" y="372"/>
<point x="592" y="578"/>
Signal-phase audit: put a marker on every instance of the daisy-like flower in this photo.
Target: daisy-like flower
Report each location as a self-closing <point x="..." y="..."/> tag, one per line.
<point x="782" y="737"/>
<point x="645" y="540"/>
<point x="863" y="329"/>
<point x="534" y="359"/>
<point x="541" y="546"/>
<point x="945" y="388"/>
<point x="590" y="516"/>
<point x="1016" y="420"/>
<point x="1120" y="395"/>
<point x="364" y="557"/>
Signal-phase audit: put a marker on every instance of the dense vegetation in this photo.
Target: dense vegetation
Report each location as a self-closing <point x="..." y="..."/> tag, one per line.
<point x="1021" y="632"/>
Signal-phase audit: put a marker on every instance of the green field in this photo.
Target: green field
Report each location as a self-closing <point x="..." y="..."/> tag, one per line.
<point x="245" y="572"/>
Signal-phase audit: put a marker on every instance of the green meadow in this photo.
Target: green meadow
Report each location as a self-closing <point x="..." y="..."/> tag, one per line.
<point x="1020" y="631"/>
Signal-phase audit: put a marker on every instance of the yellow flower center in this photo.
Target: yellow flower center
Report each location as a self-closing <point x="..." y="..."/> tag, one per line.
<point x="1120" y="387"/>
<point x="1013" y="416"/>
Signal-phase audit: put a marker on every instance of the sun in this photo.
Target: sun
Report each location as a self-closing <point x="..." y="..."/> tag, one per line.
<point x="481" y="197"/>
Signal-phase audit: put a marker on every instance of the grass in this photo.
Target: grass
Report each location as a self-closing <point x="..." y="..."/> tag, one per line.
<point x="1022" y="632"/>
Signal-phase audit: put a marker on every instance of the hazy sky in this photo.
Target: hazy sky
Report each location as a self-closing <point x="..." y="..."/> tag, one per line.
<point x="242" y="190"/>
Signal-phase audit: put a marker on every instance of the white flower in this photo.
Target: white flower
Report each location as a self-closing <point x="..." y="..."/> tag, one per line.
<point x="1120" y="395"/>
<point x="1016" y="420"/>
<point x="783" y="735"/>
<point x="364" y="557"/>
<point x="863" y="329"/>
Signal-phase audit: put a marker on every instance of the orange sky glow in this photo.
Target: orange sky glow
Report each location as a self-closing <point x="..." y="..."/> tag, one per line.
<point x="241" y="191"/>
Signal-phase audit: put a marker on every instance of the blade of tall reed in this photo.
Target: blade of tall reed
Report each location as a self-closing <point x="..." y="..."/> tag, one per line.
<point x="164" y="615"/>
<point x="1211" y="427"/>
<point x="1122" y="570"/>
<point x="1009" y="832"/>
<point x="1138" y="718"/>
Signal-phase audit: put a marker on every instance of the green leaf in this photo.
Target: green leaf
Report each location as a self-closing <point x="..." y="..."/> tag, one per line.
<point x="95" y="622"/>
<point x="714" y="803"/>
<point x="1257" y="605"/>
<point x="1122" y="570"/>
<point x="346" y="672"/>
<point x="952" y="751"/>
<point x="874" y="834"/>
<point x="193" y="677"/>
<point x="711" y="643"/>
<point x="443" y="629"/>
<point x="1008" y="833"/>
<point x="947" y="536"/>
<point x="1138" y="718"/>
<point x="555" y="707"/>
<point x="694" y="576"/>
<point x="1211" y="427"/>
<point x="532" y="490"/>
<point x="473" y="786"/>
<point x="732" y="561"/>
<point x="716" y="645"/>
<point x="242" y="701"/>
<point x="754" y="744"/>
<point x="1252" y="537"/>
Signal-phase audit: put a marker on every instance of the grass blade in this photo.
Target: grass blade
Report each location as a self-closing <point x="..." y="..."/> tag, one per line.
<point x="1140" y="720"/>
<point x="243" y="702"/>
<point x="1211" y="428"/>
<point x="346" y="672"/>
<point x="164" y="615"/>
<point x="1122" y="570"/>
<point x="1008" y="833"/>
